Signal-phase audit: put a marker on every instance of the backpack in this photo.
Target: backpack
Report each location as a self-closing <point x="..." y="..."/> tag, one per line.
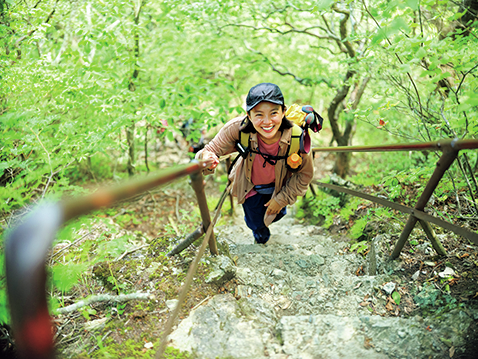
<point x="303" y="118"/>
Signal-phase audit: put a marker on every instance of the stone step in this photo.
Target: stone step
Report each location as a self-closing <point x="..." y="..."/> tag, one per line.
<point x="299" y="297"/>
<point x="249" y="328"/>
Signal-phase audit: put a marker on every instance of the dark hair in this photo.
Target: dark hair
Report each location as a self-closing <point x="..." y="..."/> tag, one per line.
<point x="248" y="126"/>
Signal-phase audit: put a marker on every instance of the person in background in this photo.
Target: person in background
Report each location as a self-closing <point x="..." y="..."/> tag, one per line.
<point x="262" y="181"/>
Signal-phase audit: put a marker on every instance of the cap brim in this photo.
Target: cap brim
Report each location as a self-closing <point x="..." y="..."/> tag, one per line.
<point x="248" y="108"/>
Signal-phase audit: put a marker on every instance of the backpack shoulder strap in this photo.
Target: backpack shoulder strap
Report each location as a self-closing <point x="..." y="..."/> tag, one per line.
<point x="296" y="140"/>
<point x="244" y="139"/>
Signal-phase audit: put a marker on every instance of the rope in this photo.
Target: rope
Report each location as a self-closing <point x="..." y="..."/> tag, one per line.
<point x="188" y="280"/>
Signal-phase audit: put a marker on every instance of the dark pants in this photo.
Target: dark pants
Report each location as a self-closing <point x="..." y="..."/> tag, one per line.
<point x="254" y="212"/>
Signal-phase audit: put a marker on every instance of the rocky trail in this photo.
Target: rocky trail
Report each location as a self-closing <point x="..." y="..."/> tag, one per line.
<point x="305" y="295"/>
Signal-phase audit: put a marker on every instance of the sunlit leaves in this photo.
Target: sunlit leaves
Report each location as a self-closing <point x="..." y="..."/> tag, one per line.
<point x="66" y="276"/>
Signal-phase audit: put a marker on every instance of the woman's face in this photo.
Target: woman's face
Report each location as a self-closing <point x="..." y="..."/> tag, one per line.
<point x="267" y="118"/>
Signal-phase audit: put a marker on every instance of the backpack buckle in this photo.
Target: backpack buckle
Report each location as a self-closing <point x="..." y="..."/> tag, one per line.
<point x="242" y="151"/>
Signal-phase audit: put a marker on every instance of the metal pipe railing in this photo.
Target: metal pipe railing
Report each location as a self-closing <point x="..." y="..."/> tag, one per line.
<point x="27" y="246"/>
<point x="445" y="161"/>
<point x="455" y="144"/>
<point x="197" y="183"/>
<point x="450" y="150"/>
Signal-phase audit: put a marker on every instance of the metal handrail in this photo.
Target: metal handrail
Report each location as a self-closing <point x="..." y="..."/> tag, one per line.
<point x="454" y="144"/>
<point x="450" y="149"/>
<point x="27" y="246"/>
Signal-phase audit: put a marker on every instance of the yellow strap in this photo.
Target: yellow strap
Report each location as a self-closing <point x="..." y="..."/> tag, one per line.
<point x="244" y="139"/>
<point x="295" y="140"/>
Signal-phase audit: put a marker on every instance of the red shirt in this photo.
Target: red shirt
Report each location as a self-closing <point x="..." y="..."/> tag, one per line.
<point x="261" y="174"/>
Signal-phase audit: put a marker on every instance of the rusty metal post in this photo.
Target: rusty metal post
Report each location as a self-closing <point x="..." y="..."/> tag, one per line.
<point x="312" y="190"/>
<point x="427" y="228"/>
<point x="231" y="199"/>
<point x="445" y="161"/>
<point x="190" y="239"/>
<point x="197" y="183"/>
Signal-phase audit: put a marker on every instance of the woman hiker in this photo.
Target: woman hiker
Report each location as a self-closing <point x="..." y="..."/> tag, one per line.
<point x="262" y="180"/>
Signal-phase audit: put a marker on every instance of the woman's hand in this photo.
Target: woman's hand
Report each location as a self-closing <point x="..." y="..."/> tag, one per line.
<point x="211" y="158"/>
<point x="273" y="207"/>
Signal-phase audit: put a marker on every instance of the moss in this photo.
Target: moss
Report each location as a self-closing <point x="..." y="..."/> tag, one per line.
<point x="131" y="348"/>
<point x="121" y="271"/>
<point x="159" y="246"/>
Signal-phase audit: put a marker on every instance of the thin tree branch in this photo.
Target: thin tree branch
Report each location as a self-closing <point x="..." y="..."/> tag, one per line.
<point x="463" y="79"/>
<point x="408" y="74"/>
<point x="128" y="252"/>
<point x="292" y="30"/>
<point x="31" y="32"/>
<point x="104" y="298"/>
<point x="302" y="81"/>
<point x="343" y="30"/>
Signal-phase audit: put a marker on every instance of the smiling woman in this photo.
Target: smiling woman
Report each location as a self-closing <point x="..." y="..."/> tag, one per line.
<point x="263" y="184"/>
<point x="266" y="118"/>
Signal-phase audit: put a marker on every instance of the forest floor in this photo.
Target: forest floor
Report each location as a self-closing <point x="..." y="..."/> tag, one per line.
<point x="159" y="219"/>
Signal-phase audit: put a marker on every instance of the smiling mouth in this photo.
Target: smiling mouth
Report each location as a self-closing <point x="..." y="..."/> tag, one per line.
<point x="268" y="128"/>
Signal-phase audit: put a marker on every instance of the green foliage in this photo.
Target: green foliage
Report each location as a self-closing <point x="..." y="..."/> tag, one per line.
<point x="64" y="277"/>
<point x="360" y="247"/>
<point x="4" y="311"/>
<point x="317" y="209"/>
<point x="87" y="311"/>
<point x="357" y="229"/>
<point x="433" y="302"/>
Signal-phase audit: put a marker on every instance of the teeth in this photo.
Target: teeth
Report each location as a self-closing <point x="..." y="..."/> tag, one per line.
<point x="268" y="128"/>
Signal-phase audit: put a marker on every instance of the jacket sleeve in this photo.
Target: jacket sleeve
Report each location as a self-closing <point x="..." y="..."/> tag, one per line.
<point x="298" y="183"/>
<point x="224" y="142"/>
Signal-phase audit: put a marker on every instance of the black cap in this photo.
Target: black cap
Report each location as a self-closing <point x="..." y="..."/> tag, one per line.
<point x="264" y="92"/>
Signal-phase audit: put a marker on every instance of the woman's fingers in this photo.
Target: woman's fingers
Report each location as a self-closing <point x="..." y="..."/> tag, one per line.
<point x="211" y="158"/>
<point x="272" y="207"/>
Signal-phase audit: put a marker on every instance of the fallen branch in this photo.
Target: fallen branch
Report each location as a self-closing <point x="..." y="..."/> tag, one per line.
<point x="104" y="298"/>
<point x="129" y="252"/>
<point x="201" y="302"/>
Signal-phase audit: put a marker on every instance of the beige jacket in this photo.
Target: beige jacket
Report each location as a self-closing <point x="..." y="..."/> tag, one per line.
<point x="288" y="185"/>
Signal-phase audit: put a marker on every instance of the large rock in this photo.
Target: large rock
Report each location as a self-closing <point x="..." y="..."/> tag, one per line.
<point x="219" y="329"/>
<point x="331" y="336"/>
<point x="223" y="270"/>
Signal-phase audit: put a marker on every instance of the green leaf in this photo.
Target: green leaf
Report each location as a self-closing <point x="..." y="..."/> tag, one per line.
<point x="170" y="135"/>
<point x="323" y="5"/>
<point x="421" y="53"/>
<point x="413" y="4"/>
<point x="396" y="297"/>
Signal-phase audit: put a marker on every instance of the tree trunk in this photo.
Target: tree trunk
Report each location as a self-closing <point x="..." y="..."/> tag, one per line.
<point x="342" y="162"/>
<point x="130" y="139"/>
<point x="132" y="87"/>
<point x="146" y="148"/>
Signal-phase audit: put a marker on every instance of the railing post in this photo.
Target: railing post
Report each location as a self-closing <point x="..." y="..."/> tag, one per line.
<point x="197" y="183"/>
<point x="427" y="228"/>
<point x="445" y="161"/>
<point x="231" y="199"/>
